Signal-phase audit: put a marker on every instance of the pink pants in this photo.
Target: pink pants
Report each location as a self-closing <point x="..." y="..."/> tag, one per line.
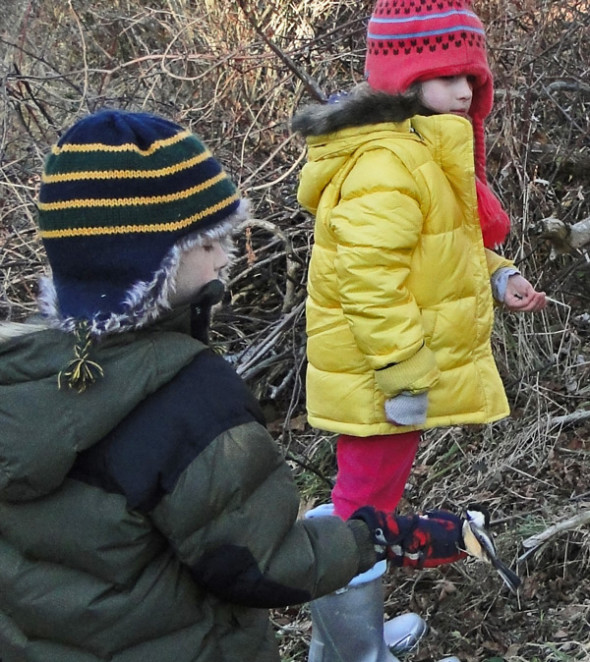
<point x="372" y="471"/>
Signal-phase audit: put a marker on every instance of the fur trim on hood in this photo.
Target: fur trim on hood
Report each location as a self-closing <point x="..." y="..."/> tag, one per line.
<point x="360" y="107"/>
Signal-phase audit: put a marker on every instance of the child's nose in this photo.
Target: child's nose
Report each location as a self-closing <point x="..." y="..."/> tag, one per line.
<point x="465" y="88"/>
<point x="221" y="258"/>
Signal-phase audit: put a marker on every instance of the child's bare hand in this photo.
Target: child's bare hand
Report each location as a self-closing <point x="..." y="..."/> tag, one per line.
<point x="521" y="296"/>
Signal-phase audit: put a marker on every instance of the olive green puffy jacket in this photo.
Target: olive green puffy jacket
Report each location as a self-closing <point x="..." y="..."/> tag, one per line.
<point x="399" y="295"/>
<point x="151" y="518"/>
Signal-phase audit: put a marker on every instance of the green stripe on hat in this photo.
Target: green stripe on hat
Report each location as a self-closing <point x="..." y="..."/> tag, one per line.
<point x="139" y="215"/>
<point x="97" y="163"/>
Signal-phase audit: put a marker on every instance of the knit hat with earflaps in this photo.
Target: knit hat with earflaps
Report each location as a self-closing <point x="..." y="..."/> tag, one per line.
<point x="122" y="195"/>
<point x="409" y="41"/>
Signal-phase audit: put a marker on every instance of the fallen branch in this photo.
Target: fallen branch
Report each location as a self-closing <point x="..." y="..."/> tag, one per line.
<point x="249" y="360"/>
<point x="574" y="417"/>
<point x="534" y="542"/>
<point x="293" y="265"/>
<point x="564" y="238"/>
<point x="568" y="86"/>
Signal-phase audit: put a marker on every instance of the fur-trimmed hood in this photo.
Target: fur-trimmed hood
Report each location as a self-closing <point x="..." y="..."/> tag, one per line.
<point x="360" y="107"/>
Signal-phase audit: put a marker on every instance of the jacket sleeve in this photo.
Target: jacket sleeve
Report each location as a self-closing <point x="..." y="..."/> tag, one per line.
<point x="232" y="519"/>
<point x="230" y="513"/>
<point x="377" y="226"/>
<point x="496" y="262"/>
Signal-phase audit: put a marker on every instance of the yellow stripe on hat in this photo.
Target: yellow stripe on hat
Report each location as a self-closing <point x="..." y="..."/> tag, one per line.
<point x="125" y="174"/>
<point x="128" y="202"/>
<point x="127" y="147"/>
<point x="126" y="229"/>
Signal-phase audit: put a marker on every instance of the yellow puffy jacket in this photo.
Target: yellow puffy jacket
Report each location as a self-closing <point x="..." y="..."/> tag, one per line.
<point x="399" y="295"/>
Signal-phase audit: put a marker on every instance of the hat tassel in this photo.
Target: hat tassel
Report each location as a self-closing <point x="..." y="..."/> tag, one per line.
<point x="80" y="372"/>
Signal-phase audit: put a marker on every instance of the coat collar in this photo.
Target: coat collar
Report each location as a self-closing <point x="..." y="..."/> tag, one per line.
<point x="362" y="106"/>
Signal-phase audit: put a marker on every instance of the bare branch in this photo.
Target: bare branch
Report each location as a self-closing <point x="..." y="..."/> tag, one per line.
<point x="313" y="89"/>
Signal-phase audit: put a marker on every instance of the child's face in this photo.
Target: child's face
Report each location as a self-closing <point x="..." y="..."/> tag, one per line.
<point x="198" y="266"/>
<point x="451" y="94"/>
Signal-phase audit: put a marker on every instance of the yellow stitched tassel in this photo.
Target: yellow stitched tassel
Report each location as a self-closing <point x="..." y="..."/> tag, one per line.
<point x="80" y="372"/>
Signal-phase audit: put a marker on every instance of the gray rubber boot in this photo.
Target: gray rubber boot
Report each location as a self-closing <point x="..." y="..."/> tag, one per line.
<point x="347" y="626"/>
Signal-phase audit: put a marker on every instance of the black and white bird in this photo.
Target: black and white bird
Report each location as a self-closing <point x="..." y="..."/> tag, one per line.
<point x="480" y="544"/>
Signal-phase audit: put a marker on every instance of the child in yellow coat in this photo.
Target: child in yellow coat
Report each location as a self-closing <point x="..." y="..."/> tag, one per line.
<point x="403" y="279"/>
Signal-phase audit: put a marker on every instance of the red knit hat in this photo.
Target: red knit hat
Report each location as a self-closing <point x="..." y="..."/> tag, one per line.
<point x="409" y="41"/>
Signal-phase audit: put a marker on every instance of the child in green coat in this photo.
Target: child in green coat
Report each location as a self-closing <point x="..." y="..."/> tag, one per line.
<point x="146" y="513"/>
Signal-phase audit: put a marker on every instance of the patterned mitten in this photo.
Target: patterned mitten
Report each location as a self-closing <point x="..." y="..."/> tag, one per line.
<point x="418" y="541"/>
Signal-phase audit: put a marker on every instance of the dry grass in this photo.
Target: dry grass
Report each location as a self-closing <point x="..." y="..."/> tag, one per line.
<point x="235" y="72"/>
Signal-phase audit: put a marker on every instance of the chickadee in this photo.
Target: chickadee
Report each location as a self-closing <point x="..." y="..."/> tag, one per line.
<point x="480" y="544"/>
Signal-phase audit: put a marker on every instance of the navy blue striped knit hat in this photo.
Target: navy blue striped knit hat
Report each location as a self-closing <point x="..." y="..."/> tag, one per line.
<point x="118" y="191"/>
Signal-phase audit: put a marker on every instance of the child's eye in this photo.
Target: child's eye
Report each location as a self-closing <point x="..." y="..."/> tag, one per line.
<point x="207" y="248"/>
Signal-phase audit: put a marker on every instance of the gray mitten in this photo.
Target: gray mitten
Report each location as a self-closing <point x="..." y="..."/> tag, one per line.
<point x="499" y="282"/>
<point x="407" y="408"/>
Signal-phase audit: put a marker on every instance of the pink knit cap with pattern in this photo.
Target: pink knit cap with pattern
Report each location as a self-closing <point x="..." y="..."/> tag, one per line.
<point x="409" y="41"/>
<point x="413" y="40"/>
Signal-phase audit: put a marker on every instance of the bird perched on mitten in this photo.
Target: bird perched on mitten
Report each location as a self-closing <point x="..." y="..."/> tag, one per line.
<point x="480" y="544"/>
